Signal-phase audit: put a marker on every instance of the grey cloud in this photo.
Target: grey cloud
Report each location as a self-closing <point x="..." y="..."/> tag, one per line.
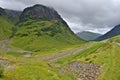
<point x="92" y="15"/>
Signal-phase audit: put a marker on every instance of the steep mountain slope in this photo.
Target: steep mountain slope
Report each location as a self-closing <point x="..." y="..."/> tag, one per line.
<point x="39" y="12"/>
<point x="114" y="32"/>
<point x="88" y="36"/>
<point x="5" y="28"/>
<point x="2" y="12"/>
<point x="13" y="15"/>
<point x="41" y="28"/>
<point x="5" y="25"/>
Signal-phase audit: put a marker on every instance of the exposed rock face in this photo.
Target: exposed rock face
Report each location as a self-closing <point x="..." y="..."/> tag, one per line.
<point x="13" y="15"/>
<point x="39" y="12"/>
<point x="2" y="11"/>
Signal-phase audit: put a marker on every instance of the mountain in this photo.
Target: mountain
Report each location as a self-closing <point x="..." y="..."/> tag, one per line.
<point x="114" y="32"/>
<point x="2" y="12"/>
<point x="39" y="12"/>
<point x="6" y="25"/>
<point x="42" y="29"/>
<point x="88" y="36"/>
<point x="13" y="15"/>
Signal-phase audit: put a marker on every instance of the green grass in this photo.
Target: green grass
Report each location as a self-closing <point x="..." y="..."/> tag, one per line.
<point x="40" y="37"/>
<point x="44" y="37"/>
<point x="104" y="54"/>
<point x="34" y="70"/>
<point x="1" y="71"/>
<point x="83" y="53"/>
<point x="5" y="28"/>
<point x="108" y="57"/>
<point x="115" y="39"/>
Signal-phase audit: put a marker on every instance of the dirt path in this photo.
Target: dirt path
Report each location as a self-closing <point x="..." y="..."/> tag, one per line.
<point x="57" y="56"/>
<point x="49" y="58"/>
<point x="4" y="45"/>
<point x="117" y="43"/>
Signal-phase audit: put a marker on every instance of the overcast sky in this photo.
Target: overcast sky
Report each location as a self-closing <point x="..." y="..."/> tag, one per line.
<point x="91" y="15"/>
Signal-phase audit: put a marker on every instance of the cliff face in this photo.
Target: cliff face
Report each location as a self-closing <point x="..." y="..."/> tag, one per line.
<point x="39" y="12"/>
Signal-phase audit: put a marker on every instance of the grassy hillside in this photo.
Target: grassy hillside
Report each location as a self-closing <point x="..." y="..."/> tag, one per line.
<point x="13" y="15"/>
<point x="5" y="28"/>
<point x="106" y="55"/>
<point x="40" y="36"/>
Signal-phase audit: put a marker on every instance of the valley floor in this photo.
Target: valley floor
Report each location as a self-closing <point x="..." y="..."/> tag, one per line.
<point x="90" y="61"/>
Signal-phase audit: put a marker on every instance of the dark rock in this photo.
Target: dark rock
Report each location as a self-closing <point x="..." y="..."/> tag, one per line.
<point x="39" y="12"/>
<point x="2" y="12"/>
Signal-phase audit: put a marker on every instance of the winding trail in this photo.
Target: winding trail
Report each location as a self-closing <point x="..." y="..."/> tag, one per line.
<point x="49" y="58"/>
<point x="57" y="56"/>
<point x="4" y="45"/>
<point x="117" y="43"/>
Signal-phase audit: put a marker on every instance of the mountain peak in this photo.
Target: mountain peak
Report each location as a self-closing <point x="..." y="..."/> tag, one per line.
<point x="38" y="12"/>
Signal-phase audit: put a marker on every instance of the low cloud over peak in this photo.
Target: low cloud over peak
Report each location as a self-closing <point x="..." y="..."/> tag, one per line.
<point x="91" y="15"/>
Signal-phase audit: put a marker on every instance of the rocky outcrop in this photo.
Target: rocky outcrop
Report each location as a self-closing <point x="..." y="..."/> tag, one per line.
<point x="39" y="12"/>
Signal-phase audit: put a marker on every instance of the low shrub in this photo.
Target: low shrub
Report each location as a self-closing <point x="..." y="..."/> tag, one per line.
<point x="1" y="71"/>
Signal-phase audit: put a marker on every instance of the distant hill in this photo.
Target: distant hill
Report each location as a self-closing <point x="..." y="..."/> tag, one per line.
<point x="88" y="36"/>
<point x="114" y="32"/>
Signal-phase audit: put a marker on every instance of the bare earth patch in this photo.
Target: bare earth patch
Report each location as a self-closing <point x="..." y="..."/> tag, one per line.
<point x="84" y="71"/>
<point x="3" y="62"/>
